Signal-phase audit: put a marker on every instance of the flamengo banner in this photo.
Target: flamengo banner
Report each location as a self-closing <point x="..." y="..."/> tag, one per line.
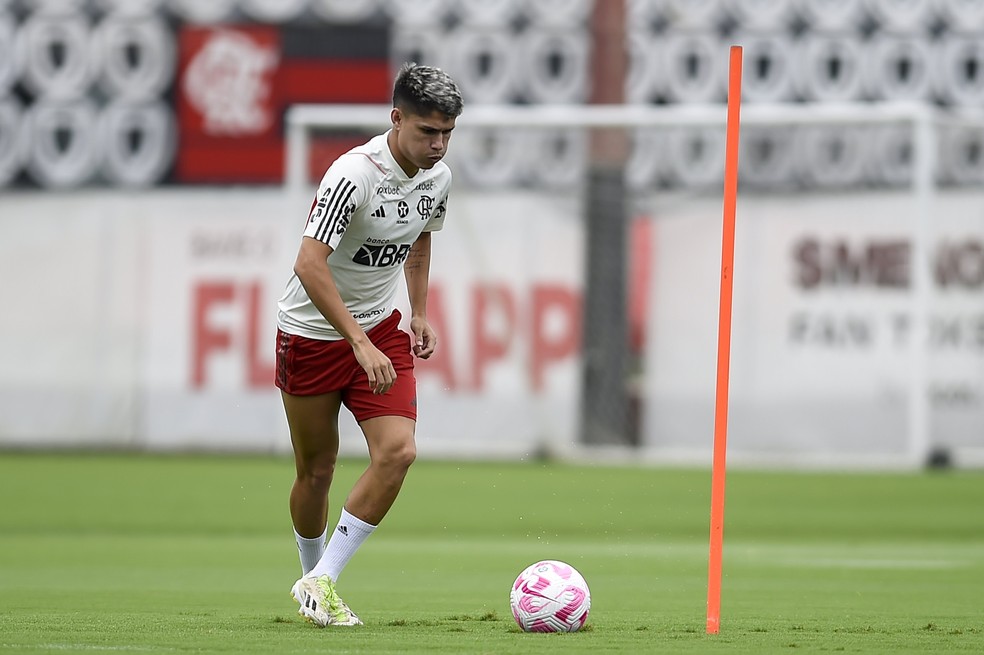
<point x="502" y="299"/>
<point x="162" y="334"/>
<point x="235" y="81"/>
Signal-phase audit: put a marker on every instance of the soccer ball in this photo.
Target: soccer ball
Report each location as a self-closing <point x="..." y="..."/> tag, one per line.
<point x="550" y="596"/>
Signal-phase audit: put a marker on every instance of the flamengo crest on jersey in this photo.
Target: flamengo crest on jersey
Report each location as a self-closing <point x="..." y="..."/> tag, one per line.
<point x="370" y="213"/>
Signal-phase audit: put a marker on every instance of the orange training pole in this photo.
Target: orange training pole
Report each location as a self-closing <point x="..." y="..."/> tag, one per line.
<point x="724" y="344"/>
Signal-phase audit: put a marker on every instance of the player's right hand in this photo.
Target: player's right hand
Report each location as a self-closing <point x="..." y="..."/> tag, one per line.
<point x="378" y="367"/>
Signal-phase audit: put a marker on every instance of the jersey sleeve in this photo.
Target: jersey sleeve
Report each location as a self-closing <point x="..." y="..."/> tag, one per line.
<point x="344" y="187"/>
<point x="436" y="220"/>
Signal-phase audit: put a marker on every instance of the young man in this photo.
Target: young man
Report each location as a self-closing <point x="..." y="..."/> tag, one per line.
<point x="339" y="340"/>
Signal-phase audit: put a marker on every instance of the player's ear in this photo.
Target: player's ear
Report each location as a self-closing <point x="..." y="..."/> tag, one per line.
<point x="396" y="117"/>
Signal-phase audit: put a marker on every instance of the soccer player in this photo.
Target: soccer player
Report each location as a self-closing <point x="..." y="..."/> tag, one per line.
<point x="339" y="340"/>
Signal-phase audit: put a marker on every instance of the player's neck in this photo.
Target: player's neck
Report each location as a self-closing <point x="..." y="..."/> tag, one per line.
<point x="401" y="160"/>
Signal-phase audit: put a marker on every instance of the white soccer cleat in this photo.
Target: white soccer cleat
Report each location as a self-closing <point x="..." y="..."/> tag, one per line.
<point x="320" y="604"/>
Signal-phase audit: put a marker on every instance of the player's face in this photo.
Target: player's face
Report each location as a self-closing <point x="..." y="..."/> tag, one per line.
<point x="421" y="141"/>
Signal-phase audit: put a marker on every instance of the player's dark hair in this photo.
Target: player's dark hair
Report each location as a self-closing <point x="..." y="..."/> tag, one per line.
<point x="421" y="90"/>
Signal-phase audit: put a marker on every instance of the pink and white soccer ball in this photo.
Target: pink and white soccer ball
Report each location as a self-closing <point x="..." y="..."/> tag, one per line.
<point x="550" y="596"/>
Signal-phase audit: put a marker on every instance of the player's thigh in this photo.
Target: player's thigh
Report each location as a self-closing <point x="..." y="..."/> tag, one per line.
<point x="390" y="439"/>
<point x="313" y="423"/>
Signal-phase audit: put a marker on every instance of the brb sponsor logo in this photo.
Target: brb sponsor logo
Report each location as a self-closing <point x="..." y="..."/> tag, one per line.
<point x="381" y="256"/>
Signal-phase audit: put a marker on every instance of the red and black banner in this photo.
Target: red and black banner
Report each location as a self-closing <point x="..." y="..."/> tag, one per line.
<point x="235" y="82"/>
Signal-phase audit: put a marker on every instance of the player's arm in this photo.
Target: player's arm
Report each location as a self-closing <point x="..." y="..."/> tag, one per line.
<point x="311" y="268"/>
<point x="416" y="269"/>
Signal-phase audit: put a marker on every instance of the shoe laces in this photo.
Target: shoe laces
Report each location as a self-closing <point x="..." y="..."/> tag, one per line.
<point x="336" y="605"/>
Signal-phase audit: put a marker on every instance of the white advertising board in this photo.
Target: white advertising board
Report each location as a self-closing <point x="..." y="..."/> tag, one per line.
<point x="822" y="328"/>
<point x="147" y="320"/>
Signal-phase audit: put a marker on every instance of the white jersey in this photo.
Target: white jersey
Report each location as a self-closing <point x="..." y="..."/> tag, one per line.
<point x="370" y="212"/>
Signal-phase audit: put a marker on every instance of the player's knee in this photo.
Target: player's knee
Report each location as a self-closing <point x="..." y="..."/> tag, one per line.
<point x="399" y="456"/>
<point x="407" y="455"/>
<point x="317" y="473"/>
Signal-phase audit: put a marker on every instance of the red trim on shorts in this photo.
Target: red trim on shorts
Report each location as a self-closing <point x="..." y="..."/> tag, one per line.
<point x="311" y="367"/>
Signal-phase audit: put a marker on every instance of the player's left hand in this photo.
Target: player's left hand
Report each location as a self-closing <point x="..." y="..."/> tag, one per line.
<point x="424" y="338"/>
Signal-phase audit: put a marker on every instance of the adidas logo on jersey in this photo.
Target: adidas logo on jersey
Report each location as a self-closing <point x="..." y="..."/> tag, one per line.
<point x="379" y="213"/>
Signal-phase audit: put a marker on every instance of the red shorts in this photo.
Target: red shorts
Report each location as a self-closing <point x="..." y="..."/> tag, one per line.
<point x="310" y="367"/>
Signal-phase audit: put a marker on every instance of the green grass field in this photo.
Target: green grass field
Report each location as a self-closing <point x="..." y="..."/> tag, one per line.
<point x="171" y="554"/>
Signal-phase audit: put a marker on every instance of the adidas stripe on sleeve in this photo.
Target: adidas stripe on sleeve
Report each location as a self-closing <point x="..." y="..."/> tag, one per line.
<point x="338" y="197"/>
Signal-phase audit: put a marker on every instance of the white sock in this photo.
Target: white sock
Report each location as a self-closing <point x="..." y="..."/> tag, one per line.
<point x="310" y="550"/>
<point x="345" y="540"/>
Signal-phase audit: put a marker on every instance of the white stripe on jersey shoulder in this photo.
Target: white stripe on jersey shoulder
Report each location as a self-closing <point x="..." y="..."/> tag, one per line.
<point x="375" y="163"/>
<point x="376" y="151"/>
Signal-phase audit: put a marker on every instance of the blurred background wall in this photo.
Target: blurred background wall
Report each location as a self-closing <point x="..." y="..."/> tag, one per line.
<point x="144" y="235"/>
